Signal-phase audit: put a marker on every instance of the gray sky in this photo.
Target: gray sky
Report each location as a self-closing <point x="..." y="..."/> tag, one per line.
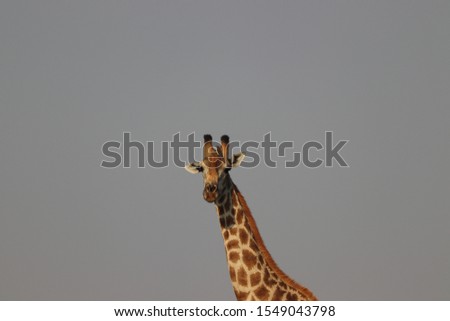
<point x="75" y="74"/>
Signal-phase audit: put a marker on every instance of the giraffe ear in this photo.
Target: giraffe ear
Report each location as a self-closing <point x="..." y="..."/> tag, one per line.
<point x="194" y="168"/>
<point x="237" y="159"/>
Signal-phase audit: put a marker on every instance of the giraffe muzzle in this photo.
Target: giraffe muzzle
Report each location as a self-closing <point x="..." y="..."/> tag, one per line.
<point x="210" y="192"/>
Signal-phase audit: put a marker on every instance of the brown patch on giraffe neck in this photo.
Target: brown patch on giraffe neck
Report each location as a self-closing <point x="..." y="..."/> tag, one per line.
<point x="233" y="244"/>
<point x="232" y="274"/>
<point x="262" y="293"/>
<point x="255" y="279"/>
<point x="241" y="296"/>
<point x="278" y="294"/>
<point x="242" y="276"/>
<point x="249" y="259"/>
<point x="291" y="297"/>
<point x="243" y="236"/>
<point x="234" y="256"/>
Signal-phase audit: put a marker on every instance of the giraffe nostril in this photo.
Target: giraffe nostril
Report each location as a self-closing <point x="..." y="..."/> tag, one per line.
<point x="211" y="188"/>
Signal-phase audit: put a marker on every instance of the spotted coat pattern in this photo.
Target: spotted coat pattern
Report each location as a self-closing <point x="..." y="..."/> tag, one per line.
<point x="253" y="273"/>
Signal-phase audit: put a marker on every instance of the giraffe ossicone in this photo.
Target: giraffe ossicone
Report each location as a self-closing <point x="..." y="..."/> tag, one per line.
<point x="253" y="272"/>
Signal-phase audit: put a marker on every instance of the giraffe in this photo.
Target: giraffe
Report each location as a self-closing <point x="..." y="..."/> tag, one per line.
<point x="253" y="272"/>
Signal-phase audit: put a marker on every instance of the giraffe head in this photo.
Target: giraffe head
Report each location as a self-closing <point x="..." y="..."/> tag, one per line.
<point x="214" y="167"/>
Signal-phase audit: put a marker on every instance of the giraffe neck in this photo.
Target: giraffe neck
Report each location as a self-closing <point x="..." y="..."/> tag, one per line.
<point x="254" y="275"/>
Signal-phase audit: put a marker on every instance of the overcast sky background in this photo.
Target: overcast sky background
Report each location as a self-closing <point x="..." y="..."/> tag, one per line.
<point x="75" y="74"/>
